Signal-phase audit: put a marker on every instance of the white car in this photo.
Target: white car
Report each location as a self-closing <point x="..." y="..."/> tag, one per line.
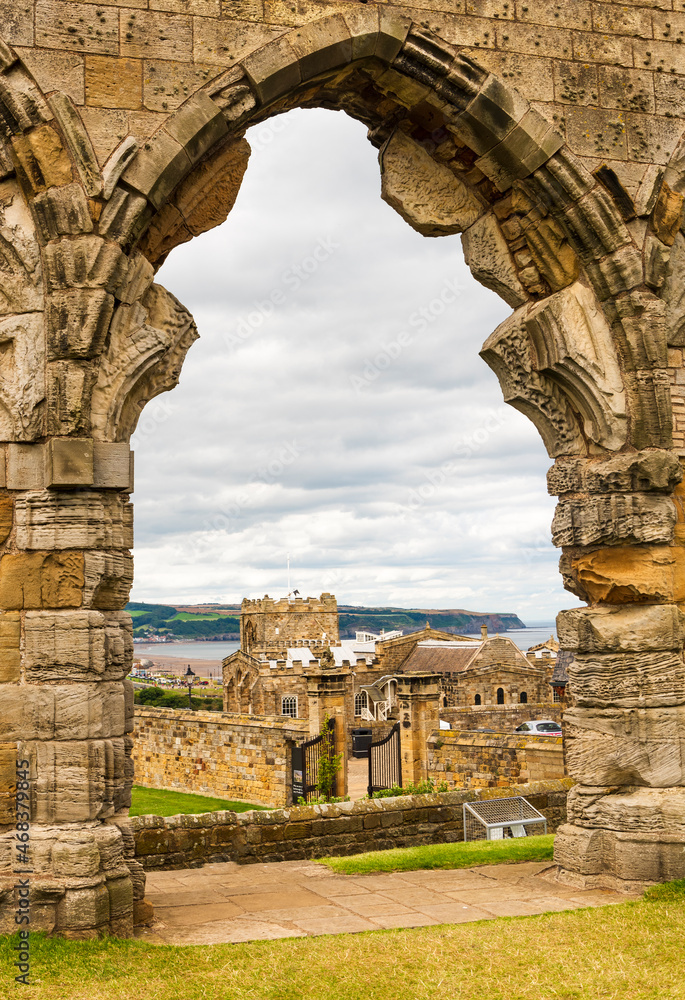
<point x="544" y="727"/>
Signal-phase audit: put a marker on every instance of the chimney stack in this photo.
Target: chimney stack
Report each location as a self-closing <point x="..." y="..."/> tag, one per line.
<point x="484" y="632"/>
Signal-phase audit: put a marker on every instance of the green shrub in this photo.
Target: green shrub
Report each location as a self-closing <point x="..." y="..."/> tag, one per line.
<point x="424" y="787"/>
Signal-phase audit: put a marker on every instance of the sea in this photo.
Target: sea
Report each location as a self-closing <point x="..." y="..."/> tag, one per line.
<point x="523" y="637"/>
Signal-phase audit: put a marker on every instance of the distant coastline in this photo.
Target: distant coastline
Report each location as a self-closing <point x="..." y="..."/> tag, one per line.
<point x="221" y="622"/>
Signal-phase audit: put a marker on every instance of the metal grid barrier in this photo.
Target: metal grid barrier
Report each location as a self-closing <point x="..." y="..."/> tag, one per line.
<point x="494" y="819"/>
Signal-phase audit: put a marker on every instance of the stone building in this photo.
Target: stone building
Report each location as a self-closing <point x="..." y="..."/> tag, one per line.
<point x="269" y="627"/>
<point x="485" y="671"/>
<point x="489" y="671"/>
<point x="289" y="638"/>
<point x="550" y="135"/>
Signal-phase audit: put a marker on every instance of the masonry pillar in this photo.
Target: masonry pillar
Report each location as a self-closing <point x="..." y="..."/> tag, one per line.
<point x="65" y="575"/>
<point x="329" y="692"/>
<point x="620" y="524"/>
<point x="418" y="697"/>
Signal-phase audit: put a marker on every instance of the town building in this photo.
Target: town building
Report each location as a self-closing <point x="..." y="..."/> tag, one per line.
<point x="285" y="640"/>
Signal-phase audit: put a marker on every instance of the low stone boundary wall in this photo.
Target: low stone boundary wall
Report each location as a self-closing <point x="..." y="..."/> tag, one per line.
<point x="481" y="760"/>
<point x="502" y="718"/>
<point x="315" y="831"/>
<point x="244" y="757"/>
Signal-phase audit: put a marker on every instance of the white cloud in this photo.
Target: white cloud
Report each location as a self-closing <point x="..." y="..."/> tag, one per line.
<point x="336" y="408"/>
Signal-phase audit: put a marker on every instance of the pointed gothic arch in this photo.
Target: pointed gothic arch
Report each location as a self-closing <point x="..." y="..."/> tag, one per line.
<point x="591" y="354"/>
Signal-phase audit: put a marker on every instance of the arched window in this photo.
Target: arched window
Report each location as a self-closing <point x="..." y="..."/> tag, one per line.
<point x="360" y="702"/>
<point x="500" y="696"/>
<point x="523" y="698"/>
<point x="444" y="702"/>
<point x="289" y="706"/>
<point x="476" y="700"/>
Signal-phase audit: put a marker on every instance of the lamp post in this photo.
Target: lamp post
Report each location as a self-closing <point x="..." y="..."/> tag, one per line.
<point x="189" y="674"/>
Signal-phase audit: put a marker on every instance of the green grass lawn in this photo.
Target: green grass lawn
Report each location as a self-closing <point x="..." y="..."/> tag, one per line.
<point x="460" y="855"/>
<point x="631" y="951"/>
<point x="157" y="802"/>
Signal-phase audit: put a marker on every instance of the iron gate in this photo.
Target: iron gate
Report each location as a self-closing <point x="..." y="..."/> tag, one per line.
<point x="306" y="765"/>
<point x="385" y="762"/>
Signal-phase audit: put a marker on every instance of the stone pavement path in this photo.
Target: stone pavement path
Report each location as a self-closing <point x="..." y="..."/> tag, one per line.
<point x="230" y="903"/>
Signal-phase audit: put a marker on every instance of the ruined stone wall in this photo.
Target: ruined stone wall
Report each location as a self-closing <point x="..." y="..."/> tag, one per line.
<point x="477" y="760"/>
<point x="315" y="831"/>
<point x="227" y="756"/>
<point x="501" y="718"/>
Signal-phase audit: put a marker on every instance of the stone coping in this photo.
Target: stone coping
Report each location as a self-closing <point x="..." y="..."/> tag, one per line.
<point x="337" y="810"/>
<point x="475" y="738"/>
<point x="298" y="726"/>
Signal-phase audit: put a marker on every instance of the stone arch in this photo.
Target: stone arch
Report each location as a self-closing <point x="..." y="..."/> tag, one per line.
<point x="591" y="353"/>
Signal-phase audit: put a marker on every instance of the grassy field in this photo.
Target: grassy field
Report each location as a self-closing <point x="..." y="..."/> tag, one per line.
<point x="155" y="801"/>
<point x="461" y="855"/>
<point x="632" y="951"/>
<point x="188" y="616"/>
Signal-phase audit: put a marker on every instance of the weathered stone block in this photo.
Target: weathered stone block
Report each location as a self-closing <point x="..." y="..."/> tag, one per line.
<point x="530" y="144"/>
<point x="273" y="70"/>
<point x="61" y="211"/>
<point x="22" y="103"/>
<point x="595" y="226"/>
<point x="76" y="28"/>
<point x="153" y="35"/>
<point x="488" y="257"/>
<point x="69" y="462"/>
<point x="426" y="194"/>
<point x="75" y="854"/>
<point x="41" y="159"/>
<point x="322" y="47"/>
<point x="628" y="680"/>
<point x="78" y="321"/>
<point x="490" y="116"/>
<point x="641" y="746"/>
<point x="197" y="126"/>
<point x="112" y="465"/>
<point x="614" y="520"/>
<point x="630" y="629"/>
<point x="634" y="472"/>
<point x="83" y="909"/>
<point x="108" y="580"/>
<point x="125" y="217"/>
<point x="25" y="466"/>
<point x="393" y="28"/>
<point x="362" y="25"/>
<point x="157" y="168"/>
<point x="117" y="163"/>
<point x="68" y="645"/>
<point x="111" y="82"/>
<point x="69" y="712"/>
<point x="629" y="810"/>
<point x="620" y="574"/>
<point x="41" y="580"/>
<point x="9" y="647"/>
<point x="79" y="143"/>
<point x="73" y="521"/>
<point x="69" y="386"/>
<point x="84" y="262"/>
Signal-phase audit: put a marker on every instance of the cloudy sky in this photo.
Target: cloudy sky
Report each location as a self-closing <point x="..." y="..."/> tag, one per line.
<point x="335" y="407"/>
